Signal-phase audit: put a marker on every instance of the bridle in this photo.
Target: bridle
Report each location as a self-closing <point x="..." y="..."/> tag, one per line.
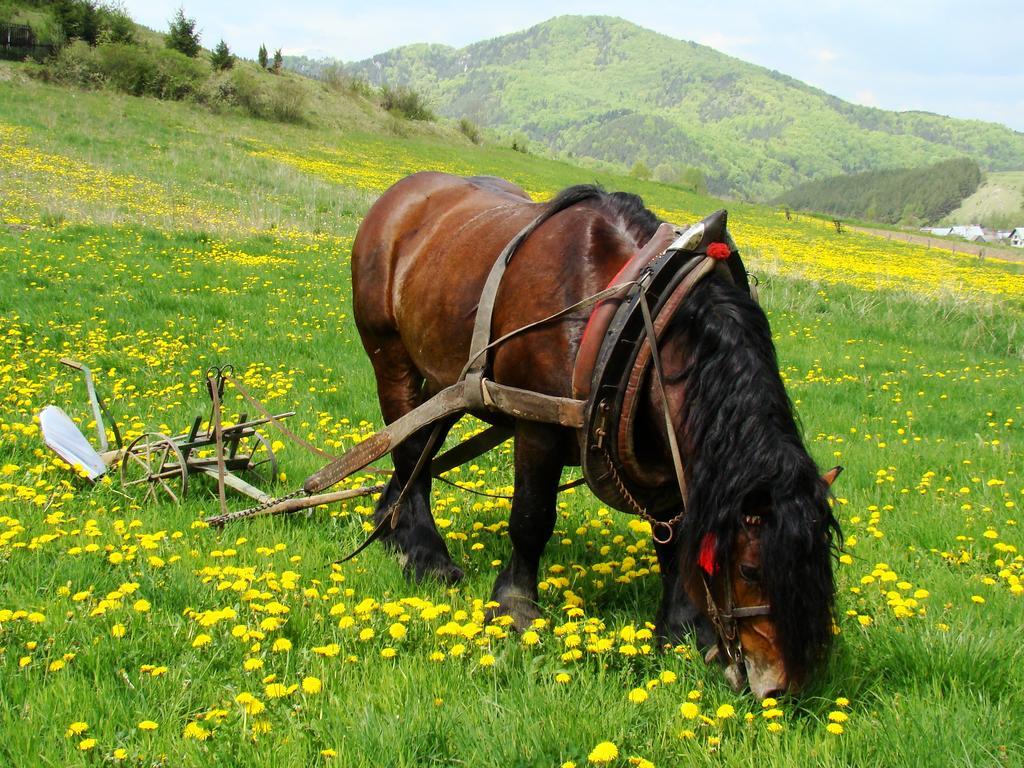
<point x="725" y="619"/>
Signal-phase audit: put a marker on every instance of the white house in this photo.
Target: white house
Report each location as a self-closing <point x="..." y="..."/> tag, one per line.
<point x="1017" y="237"/>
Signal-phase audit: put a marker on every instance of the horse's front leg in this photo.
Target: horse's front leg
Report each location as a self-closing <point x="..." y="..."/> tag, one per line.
<point x="539" y="457"/>
<point x="678" y="617"/>
<point x="420" y="548"/>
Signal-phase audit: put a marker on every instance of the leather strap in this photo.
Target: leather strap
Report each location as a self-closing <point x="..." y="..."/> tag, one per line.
<point x="445" y="403"/>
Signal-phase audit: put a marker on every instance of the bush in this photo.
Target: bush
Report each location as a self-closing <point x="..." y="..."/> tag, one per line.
<point x="144" y="71"/>
<point x="76" y="64"/>
<point x="287" y="102"/>
<point x="247" y="92"/>
<point x="405" y="102"/>
<point x="469" y="130"/>
<point x="134" y="69"/>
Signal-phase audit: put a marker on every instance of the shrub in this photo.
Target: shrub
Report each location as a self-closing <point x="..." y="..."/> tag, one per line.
<point x="640" y="170"/>
<point x="140" y="70"/>
<point x="287" y="102"/>
<point x="469" y="130"/>
<point x="263" y="56"/>
<point x="247" y="92"/>
<point x="134" y="69"/>
<point x="76" y="64"/>
<point x="405" y="102"/>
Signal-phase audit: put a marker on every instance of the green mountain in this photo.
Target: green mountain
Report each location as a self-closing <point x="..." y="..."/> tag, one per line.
<point x="605" y="89"/>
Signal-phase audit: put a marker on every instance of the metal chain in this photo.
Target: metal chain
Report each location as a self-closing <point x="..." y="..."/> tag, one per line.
<point x="231" y="517"/>
<point x="669" y="525"/>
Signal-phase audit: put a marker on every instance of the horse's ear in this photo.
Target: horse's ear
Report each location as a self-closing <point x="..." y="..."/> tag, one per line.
<point x="830" y="476"/>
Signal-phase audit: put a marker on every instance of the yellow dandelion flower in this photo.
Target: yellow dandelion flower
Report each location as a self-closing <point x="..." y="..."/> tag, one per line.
<point x="638" y="696"/>
<point x="312" y="685"/>
<point x="604" y="752"/>
<point x="725" y="711"/>
<point x="201" y="640"/>
<point x="148" y="725"/>
<point x="689" y="710"/>
<point x="195" y="731"/>
<point x="275" y="691"/>
<point x="388" y="653"/>
<point x="281" y="645"/>
<point x="487" y="660"/>
<point x="563" y="678"/>
<point x="834" y="728"/>
<point x="142" y="606"/>
<point x="838" y="717"/>
<point x="397" y="631"/>
<point x="76" y="729"/>
<point x="86" y="744"/>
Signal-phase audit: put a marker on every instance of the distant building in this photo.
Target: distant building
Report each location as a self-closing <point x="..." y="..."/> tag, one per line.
<point x="1017" y="237"/>
<point x="970" y="232"/>
<point x="937" y="231"/>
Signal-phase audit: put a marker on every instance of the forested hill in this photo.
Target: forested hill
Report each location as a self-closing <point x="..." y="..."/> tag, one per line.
<point x="603" y="88"/>
<point x="911" y="196"/>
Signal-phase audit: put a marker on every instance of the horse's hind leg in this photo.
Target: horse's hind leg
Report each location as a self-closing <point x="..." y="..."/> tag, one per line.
<point x="539" y="456"/>
<point x="419" y="546"/>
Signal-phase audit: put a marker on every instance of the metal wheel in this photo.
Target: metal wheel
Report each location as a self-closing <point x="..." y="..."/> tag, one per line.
<point x="262" y="462"/>
<point x="154" y="462"/>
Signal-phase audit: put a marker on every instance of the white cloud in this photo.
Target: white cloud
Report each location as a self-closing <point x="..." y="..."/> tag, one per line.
<point x="728" y="43"/>
<point x="866" y="98"/>
<point x="825" y="55"/>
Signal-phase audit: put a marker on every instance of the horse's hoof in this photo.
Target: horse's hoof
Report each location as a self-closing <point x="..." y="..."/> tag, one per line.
<point x="521" y="609"/>
<point x="433" y="567"/>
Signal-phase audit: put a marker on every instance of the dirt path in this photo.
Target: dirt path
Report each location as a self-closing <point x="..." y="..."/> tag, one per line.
<point x="956" y="246"/>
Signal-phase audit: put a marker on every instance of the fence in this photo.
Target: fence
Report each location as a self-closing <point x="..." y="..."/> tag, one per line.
<point x="18" y="42"/>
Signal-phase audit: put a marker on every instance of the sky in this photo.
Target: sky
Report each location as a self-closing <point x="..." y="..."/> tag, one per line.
<point x="953" y="58"/>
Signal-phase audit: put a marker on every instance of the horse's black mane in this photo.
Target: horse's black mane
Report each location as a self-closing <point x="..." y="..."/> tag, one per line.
<point x="628" y="209"/>
<point x="744" y="449"/>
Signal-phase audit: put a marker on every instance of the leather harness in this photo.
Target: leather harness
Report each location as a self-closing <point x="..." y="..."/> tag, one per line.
<point x="617" y="354"/>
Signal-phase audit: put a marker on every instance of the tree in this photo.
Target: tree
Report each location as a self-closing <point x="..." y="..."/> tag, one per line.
<point x="78" y="19"/>
<point x="640" y="170"/>
<point x="182" y="35"/>
<point x="278" y="61"/>
<point x="263" y="57"/>
<point x="221" y="57"/>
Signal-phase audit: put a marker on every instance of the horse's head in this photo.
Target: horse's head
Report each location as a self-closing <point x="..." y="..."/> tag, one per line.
<point x="735" y="594"/>
<point x="756" y="539"/>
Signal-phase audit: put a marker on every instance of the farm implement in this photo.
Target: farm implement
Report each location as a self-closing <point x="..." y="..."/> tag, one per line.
<point x="155" y="465"/>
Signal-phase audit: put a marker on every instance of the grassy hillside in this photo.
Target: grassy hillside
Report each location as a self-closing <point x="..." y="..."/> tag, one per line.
<point x="998" y="202"/>
<point x="601" y="87"/>
<point x="153" y="239"/>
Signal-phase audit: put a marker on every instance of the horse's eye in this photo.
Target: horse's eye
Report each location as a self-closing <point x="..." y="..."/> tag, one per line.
<point x="750" y="573"/>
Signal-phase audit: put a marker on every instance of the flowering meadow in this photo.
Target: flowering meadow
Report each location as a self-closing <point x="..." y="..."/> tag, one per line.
<point x="151" y="242"/>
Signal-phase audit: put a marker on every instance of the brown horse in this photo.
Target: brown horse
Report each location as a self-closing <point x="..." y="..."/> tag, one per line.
<point x="758" y="526"/>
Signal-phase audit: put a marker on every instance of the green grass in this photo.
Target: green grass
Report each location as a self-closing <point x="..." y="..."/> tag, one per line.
<point x="917" y="396"/>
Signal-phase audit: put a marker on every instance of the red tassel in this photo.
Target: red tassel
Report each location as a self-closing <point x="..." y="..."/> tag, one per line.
<point x="706" y="559"/>
<point x="719" y="251"/>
